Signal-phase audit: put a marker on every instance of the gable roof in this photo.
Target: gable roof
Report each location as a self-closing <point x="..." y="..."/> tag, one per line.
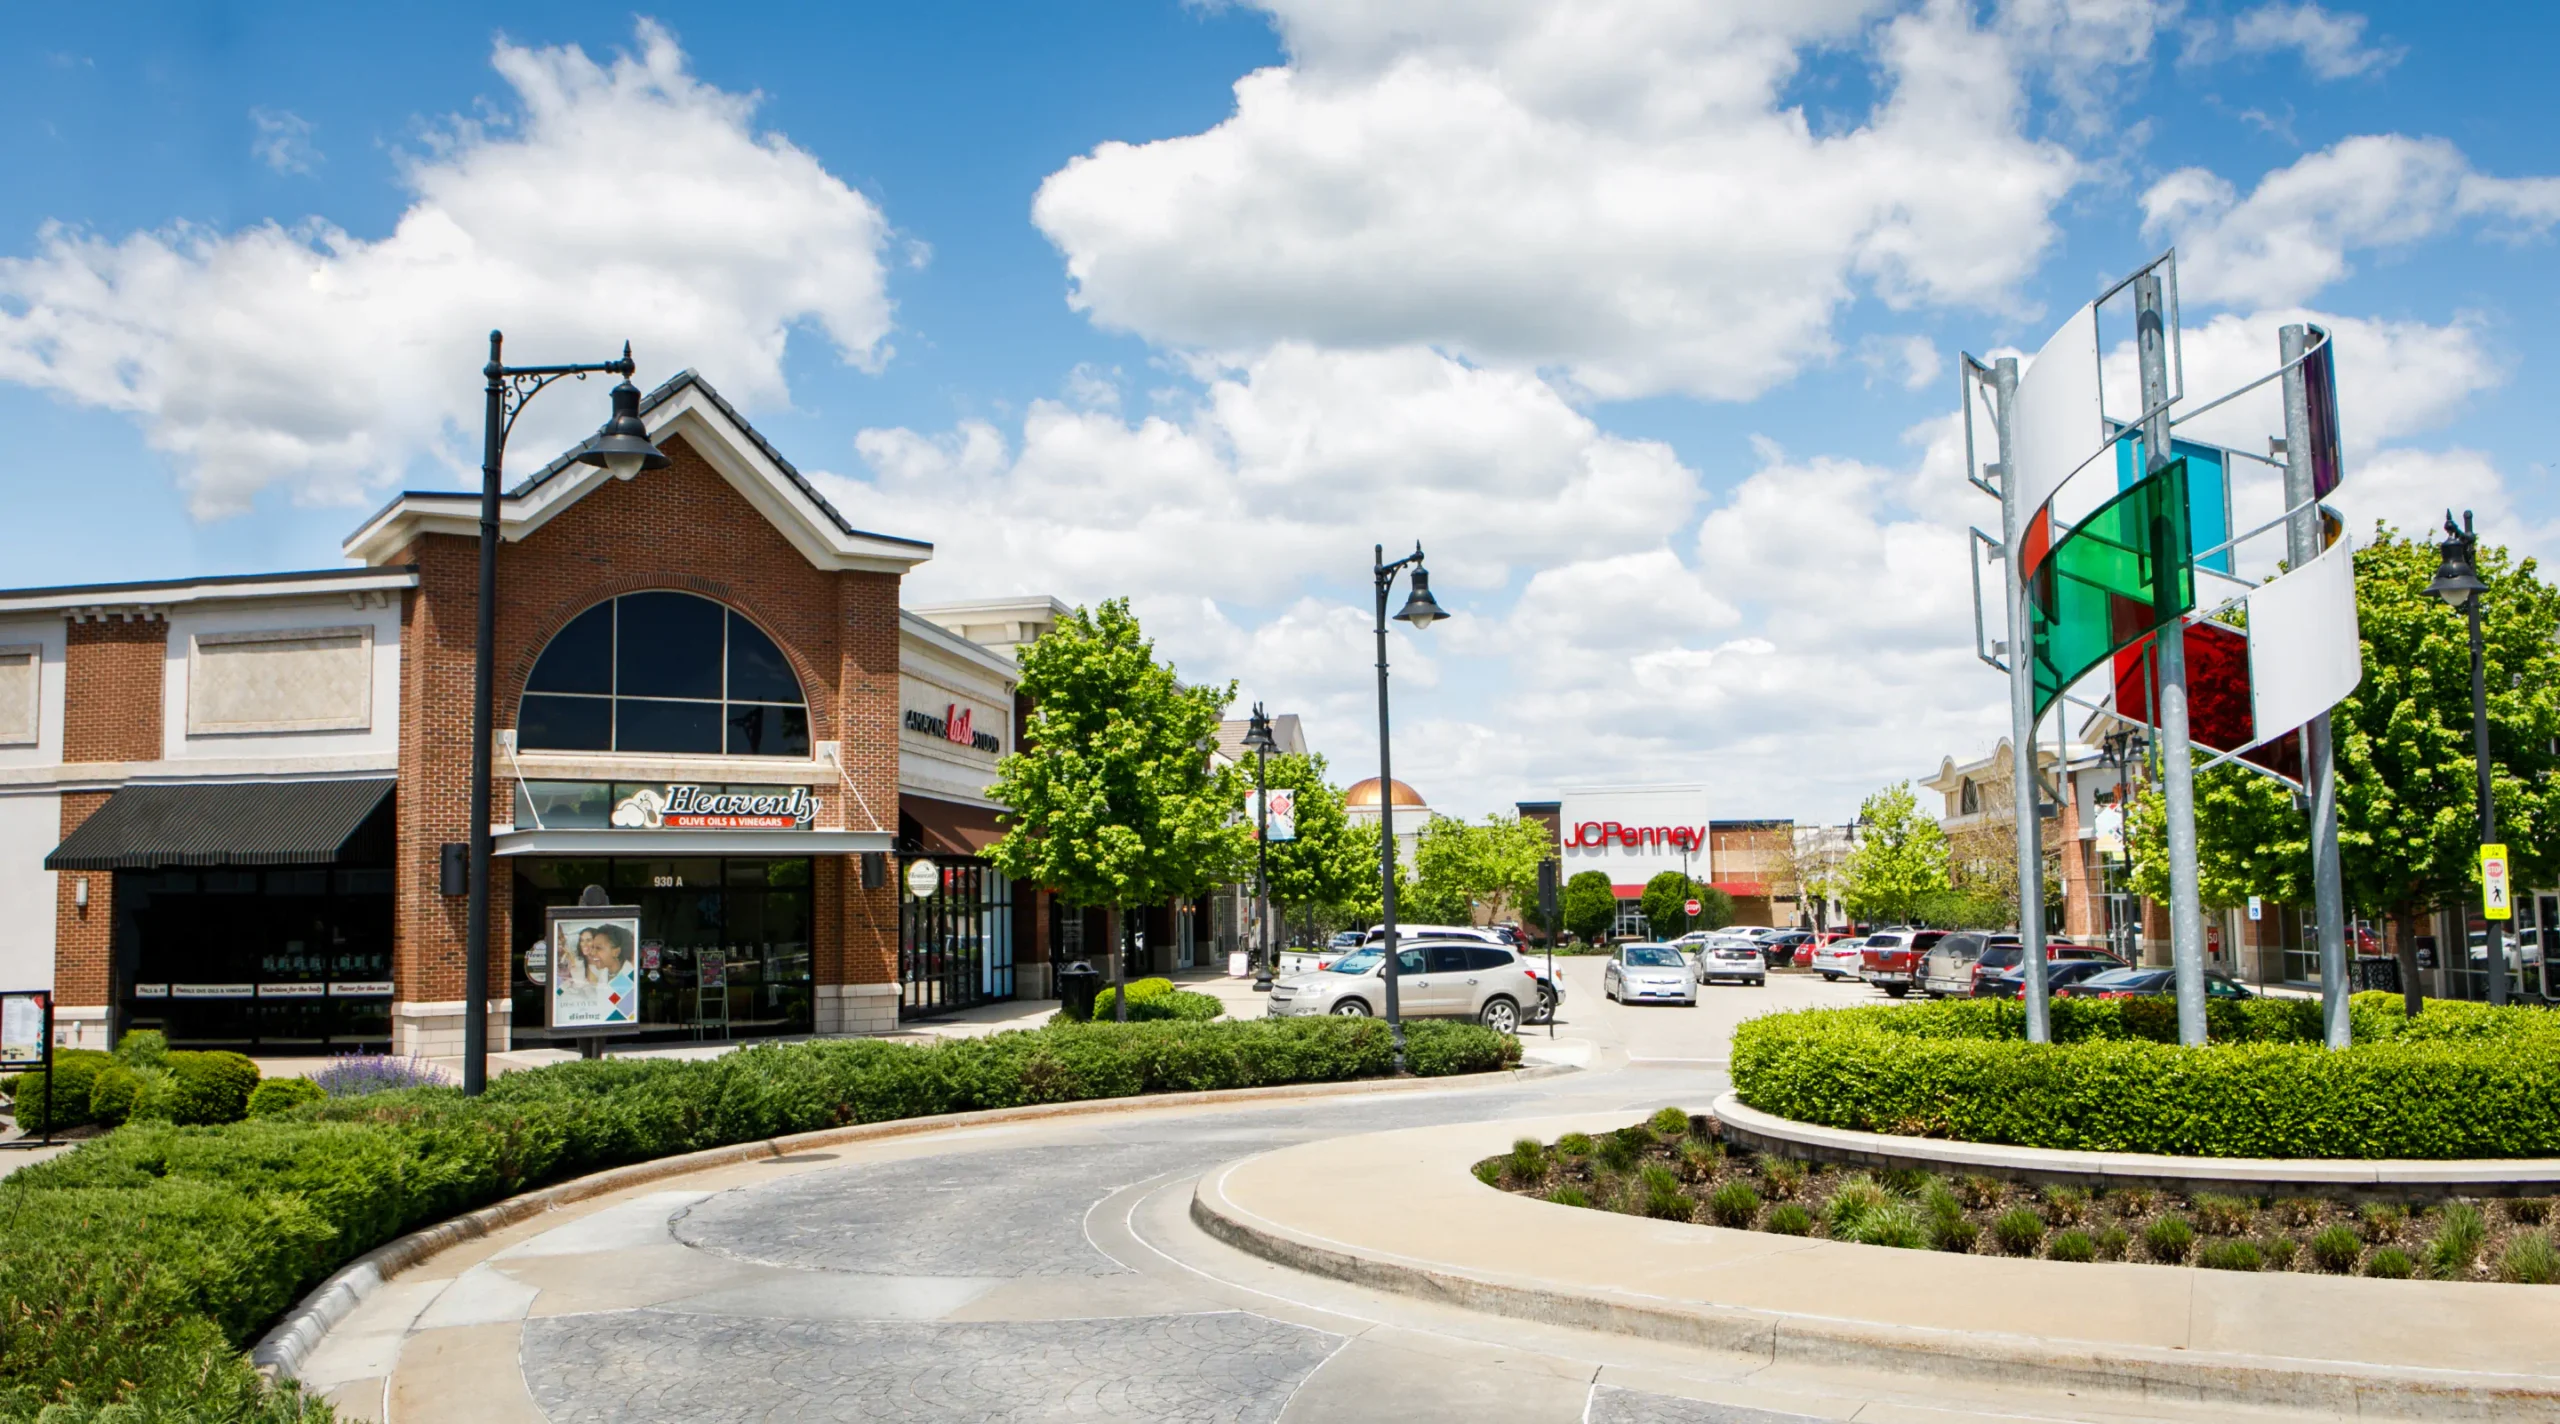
<point x="686" y="405"/>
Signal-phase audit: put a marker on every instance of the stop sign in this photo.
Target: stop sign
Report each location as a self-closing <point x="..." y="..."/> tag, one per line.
<point x="1692" y="907"/>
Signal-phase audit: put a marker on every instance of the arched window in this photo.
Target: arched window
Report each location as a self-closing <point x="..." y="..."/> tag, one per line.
<point x="1968" y="799"/>
<point x="663" y="672"/>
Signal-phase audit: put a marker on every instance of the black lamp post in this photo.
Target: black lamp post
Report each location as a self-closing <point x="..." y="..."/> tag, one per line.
<point x="1421" y="610"/>
<point x="1257" y="738"/>
<point x="622" y="449"/>
<point x="2458" y="582"/>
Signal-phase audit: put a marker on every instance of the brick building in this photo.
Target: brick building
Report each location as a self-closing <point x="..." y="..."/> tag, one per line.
<point x="225" y="802"/>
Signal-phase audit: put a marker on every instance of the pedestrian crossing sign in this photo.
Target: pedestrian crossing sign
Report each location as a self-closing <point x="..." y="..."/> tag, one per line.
<point x="2494" y="902"/>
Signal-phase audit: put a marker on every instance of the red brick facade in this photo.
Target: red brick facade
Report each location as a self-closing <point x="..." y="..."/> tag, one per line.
<point x="113" y="669"/>
<point x="684" y="527"/>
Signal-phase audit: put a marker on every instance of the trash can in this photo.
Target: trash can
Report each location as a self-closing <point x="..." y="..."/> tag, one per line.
<point x="2377" y="971"/>
<point x="1077" y="985"/>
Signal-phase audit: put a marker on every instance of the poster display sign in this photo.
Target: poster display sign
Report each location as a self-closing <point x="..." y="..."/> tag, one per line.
<point x="23" y="1020"/>
<point x="595" y="977"/>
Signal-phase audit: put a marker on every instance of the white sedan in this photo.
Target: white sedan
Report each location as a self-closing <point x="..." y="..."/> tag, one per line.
<point x="1740" y="960"/>
<point x="1649" y="973"/>
<point x="1841" y="958"/>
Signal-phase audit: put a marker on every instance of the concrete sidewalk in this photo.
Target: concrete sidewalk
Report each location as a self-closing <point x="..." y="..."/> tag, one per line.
<point x="2282" y="1340"/>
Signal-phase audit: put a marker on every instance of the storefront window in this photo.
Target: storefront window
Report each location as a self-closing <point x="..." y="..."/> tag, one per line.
<point x="663" y="672"/>
<point x="296" y="958"/>
<point x="955" y="947"/>
<point x="726" y="945"/>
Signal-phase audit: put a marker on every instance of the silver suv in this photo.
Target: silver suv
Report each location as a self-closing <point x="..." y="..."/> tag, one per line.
<point x="1470" y="979"/>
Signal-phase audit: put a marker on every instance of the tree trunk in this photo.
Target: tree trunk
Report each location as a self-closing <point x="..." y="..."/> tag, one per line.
<point x="1119" y="968"/>
<point x="2411" y="1000"/>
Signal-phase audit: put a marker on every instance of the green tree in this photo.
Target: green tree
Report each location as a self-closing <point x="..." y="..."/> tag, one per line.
<point x="1113" y="797"/>
<point x="1590" y="906"/>
<point x="1666" y="901"/>
<point x="1463" y="868"/>
<point x="2408" y="834"/>
<point x="1331" y="863"/>
<point x="1900" y="859"/>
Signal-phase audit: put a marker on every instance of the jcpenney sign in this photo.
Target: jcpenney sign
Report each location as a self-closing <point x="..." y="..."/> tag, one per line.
<point x="1601" y="834"/>
<point x="953" y="726"/>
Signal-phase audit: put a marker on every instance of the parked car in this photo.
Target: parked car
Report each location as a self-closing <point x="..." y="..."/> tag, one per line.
<point x="1378" y="933"/>
<point x="1782" y="949"/>
<point x="2011" y="983"/>
<point x="1948" y="966"/>
<point x="1998" y="957"/>
<point x="1890" y="959"/>
<point x="1347" y="939"/>
<point x="1838" y="957"/>
<point x="1649" y="973"/>
<point x="1737" y="959"/>
<point x="1435" y="978"/>
<point x="2144" y="981"/>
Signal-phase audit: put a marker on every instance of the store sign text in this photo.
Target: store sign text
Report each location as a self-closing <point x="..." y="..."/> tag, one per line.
<point x="684" y="807"/>
<point x="953" y="726"/>
<point x="1602" y="834"/>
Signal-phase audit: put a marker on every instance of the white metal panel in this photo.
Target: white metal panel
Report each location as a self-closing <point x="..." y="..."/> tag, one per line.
<point x="2057" y="422"/>
<point x="2304" y="652"/>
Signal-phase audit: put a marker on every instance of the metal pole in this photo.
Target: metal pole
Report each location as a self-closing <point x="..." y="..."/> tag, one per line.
<point x="1263" y="954"/>
<point x="2022" y="715"/>
<point x="2177" y="766"/>
<point x="2480" y="755"/>
<point x="2319" y="755"/>
<point x="475" y="967"/>
<point x="1384" y="576"/>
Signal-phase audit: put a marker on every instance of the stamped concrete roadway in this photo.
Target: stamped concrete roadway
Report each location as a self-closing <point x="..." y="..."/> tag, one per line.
<point x="1050" y="1270"/>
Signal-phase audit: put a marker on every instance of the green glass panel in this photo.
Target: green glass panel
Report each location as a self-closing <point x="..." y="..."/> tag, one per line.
<point x="2118" y="575"/>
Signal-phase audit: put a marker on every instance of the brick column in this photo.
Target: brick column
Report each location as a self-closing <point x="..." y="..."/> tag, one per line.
<point x="113" y="671"/>
<point x="857" y="986"/>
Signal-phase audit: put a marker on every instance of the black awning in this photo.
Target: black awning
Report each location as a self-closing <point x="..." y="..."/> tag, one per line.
<point x="232" y="823"/>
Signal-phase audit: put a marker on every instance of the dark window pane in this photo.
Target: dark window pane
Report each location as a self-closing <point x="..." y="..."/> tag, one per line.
<point x="1488" y="958"/>
<point x="670" y="647"/>
<point x="765" y="729"/>
<point x="645" y="726"/>
<point x="565" y="724"/>
<point x="1448" y="959"/>
<point x="563" y="805"/>
<point x="580" y="658"/>
<point x="788" y="872"/>
<point x="757" y="670"/>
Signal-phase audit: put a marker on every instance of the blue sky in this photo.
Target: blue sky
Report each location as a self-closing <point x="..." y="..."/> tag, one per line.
<point x="1641" y="316"/>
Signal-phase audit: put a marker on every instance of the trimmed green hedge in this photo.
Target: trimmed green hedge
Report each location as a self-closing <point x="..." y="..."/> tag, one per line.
<point x="138" y="1266"/>
<point x="1150" y="1005"/>
<point x="2460" y="1080"/>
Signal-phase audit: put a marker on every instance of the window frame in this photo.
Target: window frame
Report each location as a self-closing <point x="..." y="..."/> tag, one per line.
<point x="726" y="707"/>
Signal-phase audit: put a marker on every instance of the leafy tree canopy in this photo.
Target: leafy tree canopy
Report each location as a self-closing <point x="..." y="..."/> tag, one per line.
<point x="1666" y="900"/>
<point x="1590" y="906"/>
<point x="1461" y="868"/>
<point x="1899" y="861"/>
<point x="1113" y="798"/>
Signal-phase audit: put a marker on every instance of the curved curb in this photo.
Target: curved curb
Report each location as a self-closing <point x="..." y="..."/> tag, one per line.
<point x="1769" y="1336"/>
<point x="2274" y="1175"/>
<point x="280" y="1352"/>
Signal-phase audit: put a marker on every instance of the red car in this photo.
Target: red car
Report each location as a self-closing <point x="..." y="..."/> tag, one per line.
<point x="1891" y="959"/>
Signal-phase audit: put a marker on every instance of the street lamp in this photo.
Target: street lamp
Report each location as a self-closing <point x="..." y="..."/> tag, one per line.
<point x="2458" y="582"/>
<point x="1421" y="610"/>
<point x="621" y="449"/>
<point x="1257" y="739"/>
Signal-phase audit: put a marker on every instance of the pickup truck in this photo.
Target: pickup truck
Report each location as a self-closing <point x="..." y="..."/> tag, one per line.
<point x="1891" y="959"/>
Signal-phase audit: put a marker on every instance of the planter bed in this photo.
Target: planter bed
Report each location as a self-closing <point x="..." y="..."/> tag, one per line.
<point x="1676" y="1167"/>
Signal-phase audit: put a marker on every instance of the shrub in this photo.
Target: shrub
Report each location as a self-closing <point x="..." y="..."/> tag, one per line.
<point x="2168" y="1240"/>
<point x="113" y="1092"/>
<point x="2221" y="1215"/>
<point x="2460" y="1234"/>
<point x="1852" y="1202"/>
<point x="1569" y="1195"/>
<point x="2336" y="1249"/>
<point x="2383" y="1221"/>
<point x="143" y="1048"/>
<point x="140" y="1264"/>
<point x="2529" y="1260"/>
<point x="1982" y="1193"/>
<point x="2065" y="1206"/>
<point x="1897" y="1224"/>
<point x="282" y="1095"/>
<point x="356" y="1075"/>
<point x="2072" y="1245"/>
<point x="1149" y="1004"/>
<point x="1734" y="1204"/>
<point x="2279" y="1251"/>
<point x="2390" y="1263"/>
<point x="1575" y="1144"/>
<point x="1663" y="1198"/>
<point x="1789" y="1219"/>
<point x="1669" y="1124"/>
<point x="2019" y="1231"/>
<point x="1488" y="1171"/>
<point x="2528" y="1211"/>
<point x="1782" y="1178"/>
<point x="1527" y="1162"/>
<point x="201" y="1089"/>
<point x="2113" y="1242"/>
<point x="1904" y="1181"/>
<point x="2134" y="1203"/>
<point x="1619" y="1150"/>
<point x="2299" y="1211"/>
<point x="2471" y="1082"/>
<point x="1700" y="1158"/>
<point x="2230" y="1256"/>
<point x="75" y="1071"/>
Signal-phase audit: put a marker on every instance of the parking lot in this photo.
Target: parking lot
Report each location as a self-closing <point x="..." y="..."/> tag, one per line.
<point x="1671" y="1034"/>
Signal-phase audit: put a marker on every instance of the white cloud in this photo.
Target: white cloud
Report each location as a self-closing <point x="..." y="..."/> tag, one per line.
<point x="2292" y="235"/>
<point x="2332" y="45"/>
<point x="1911" y="362"/>
<point x="623" y="199"/>
<point x="1619" y="192"/>
<point x="284" y="141"/>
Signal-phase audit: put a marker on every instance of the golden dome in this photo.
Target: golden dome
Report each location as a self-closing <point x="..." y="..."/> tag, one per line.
<point x="1364" y="794"/>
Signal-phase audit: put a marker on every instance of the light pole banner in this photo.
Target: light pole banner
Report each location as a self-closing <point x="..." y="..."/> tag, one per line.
<point x="1284" y="813"/>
